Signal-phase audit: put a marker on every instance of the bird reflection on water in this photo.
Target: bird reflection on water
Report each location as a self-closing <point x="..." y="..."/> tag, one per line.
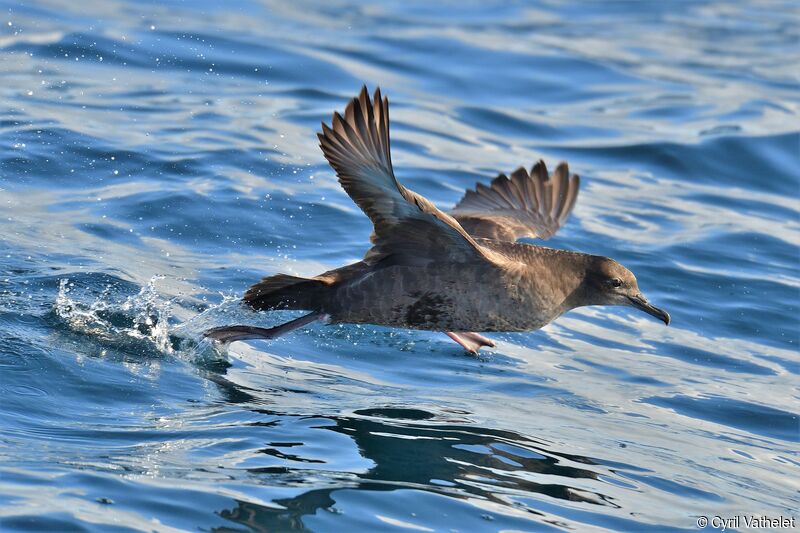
<point x="409" y="449"/>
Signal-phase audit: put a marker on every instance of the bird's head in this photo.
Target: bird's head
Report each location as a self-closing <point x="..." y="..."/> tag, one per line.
<point x="609" y="283"/>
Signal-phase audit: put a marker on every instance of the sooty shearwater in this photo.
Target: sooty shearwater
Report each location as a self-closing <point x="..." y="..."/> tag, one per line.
<point x="460" y="272"/>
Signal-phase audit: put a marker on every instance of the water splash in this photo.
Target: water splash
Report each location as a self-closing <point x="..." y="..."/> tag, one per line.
<point x="142" y="317"/>
<point x="144" y="322"/>
<point x="228" y="310"/>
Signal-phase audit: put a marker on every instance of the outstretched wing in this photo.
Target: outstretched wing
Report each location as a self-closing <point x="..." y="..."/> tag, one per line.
<point x="408" y="227"/>
<point x="525" y="205"/>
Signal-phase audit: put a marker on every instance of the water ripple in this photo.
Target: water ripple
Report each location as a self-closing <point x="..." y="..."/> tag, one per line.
<point x="157" y="159"/>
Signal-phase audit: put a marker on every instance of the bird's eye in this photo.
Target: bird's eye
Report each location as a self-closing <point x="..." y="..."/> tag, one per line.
<point x="616" y="283"/>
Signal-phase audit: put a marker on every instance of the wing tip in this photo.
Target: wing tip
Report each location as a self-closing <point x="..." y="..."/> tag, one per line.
<point x="358" y="136"/>
<point x="542" y="201"/>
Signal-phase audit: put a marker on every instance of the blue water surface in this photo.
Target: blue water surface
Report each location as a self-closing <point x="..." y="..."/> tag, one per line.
<point x="157" y="158"/>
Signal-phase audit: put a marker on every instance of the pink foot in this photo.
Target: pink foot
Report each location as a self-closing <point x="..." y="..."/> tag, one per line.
<point x="471" y="342"/>
<point x="477" y="337"/>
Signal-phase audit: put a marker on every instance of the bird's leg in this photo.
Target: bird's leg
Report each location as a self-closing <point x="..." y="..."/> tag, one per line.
<point x="227" y="334"/>
<point x="469" y="345"/>
<point x="477" y="337"/>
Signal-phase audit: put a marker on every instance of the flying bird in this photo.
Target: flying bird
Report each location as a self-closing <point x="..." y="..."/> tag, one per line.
<point x="463" y="272"/>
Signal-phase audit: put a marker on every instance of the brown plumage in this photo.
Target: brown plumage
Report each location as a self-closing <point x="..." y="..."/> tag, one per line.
<point x="460" y="272"/>
<point x="525" y="205"/>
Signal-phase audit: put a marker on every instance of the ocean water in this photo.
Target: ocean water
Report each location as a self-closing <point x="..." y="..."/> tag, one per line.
<point x="156" y="158"/>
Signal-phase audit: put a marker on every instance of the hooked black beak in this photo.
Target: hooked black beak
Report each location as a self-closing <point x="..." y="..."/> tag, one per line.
<point x="640" y="302"/>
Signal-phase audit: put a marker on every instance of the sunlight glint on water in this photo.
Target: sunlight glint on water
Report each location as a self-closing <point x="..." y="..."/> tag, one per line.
<point x="157" y="159"/>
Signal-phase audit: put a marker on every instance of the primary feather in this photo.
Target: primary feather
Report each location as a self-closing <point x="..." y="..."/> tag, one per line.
<point x="531" y="204"/>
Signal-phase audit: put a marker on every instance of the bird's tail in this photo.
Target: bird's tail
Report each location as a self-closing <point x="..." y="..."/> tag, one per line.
<point x="283" y="291"/>
<point x="280" y="291"/>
